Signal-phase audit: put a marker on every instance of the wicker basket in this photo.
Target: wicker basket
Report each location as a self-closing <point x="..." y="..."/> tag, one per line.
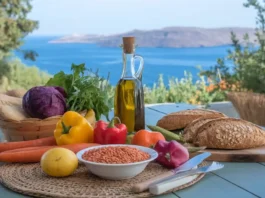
<point x="250" y="106"/>
<point x="28" y="129"/>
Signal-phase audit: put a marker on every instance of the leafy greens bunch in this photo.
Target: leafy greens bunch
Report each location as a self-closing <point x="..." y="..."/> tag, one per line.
<point x="85" y="92"/>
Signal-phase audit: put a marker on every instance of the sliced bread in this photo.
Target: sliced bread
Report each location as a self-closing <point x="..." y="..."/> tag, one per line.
<point x="181" y="119"/>
<point x="190" y="130"/>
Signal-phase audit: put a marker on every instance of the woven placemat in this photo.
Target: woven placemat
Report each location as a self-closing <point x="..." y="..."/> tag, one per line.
<point x="29" y="179"/>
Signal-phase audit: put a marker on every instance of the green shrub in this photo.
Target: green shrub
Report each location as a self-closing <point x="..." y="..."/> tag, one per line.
<point x="248" y="60"/>
<point x="180" y="91"/>
<point x="18" y="75"/>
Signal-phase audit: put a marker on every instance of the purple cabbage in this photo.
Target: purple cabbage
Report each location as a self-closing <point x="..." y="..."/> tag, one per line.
<point x="44" y="101"/>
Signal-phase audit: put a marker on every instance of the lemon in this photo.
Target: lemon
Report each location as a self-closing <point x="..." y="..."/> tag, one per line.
<point x="59" y="162"/>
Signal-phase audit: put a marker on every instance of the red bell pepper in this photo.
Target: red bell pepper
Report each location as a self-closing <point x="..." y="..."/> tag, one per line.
<point x="110" y="133"/>
<point x="171" y="154"/>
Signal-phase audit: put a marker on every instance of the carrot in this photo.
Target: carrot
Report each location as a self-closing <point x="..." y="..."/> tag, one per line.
<point x="48" y="141"/>
<point x="28" y="149"/>
<point x="78" y="147"/>
<point x="34" y="154"/>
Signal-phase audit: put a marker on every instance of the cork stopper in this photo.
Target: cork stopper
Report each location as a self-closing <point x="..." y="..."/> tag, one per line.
<point x="128" y="44"/>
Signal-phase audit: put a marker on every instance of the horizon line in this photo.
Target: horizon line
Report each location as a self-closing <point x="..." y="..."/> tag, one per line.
<point x="135" y="29"/>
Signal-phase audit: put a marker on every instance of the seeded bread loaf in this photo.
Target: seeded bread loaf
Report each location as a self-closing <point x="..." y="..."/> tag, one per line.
<point x="230" y="133"/>
<point x="181" y="119"/>
<point x="191" y="129"/>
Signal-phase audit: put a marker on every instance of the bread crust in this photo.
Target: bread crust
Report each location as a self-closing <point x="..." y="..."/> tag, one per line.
<point x="180" y="119"/>
<point x="230" y="133"/>
<point x="190" y="130"/>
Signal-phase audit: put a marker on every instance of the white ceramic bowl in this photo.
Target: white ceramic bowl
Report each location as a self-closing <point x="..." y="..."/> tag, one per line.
<point x="117" y="171"/>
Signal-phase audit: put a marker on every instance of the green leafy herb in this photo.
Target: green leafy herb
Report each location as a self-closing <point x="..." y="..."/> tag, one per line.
<point x="85" y="92"/>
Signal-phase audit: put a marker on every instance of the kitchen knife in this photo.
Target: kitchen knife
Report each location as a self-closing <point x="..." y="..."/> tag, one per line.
<point x="181" y="178"/>
<point x="140" y="187"/>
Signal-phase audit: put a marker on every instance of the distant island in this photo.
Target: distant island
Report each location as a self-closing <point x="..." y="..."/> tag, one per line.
<point x="173" y="37"/>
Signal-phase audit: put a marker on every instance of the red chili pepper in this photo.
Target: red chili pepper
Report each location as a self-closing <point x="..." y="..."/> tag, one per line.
<point x="171" y="154"/>
<point x="110" y="133"/>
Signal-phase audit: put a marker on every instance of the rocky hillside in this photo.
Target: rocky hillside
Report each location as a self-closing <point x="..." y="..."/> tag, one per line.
<point x="166" y="37"/>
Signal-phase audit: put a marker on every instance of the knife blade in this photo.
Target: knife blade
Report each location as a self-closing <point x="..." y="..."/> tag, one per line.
<point x="193" y="162"/>
<point x="181" y="178"/>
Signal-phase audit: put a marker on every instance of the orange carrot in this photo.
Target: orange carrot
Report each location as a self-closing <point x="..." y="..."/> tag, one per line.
<point x="28" y="149"/>
<point x="34" y="154"/>
<point x="48" y="141"/>
<point x="78" y="147"/>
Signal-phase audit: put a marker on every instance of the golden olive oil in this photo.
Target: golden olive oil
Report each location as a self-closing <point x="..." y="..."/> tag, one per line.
<point x="129" y="106"/>
<point x="129" y="95"/>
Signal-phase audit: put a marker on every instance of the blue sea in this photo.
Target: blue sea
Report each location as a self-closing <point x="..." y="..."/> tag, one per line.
<point x="171" y="62"/>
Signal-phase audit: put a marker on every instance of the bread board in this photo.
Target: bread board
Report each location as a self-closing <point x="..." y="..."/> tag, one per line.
<point x="246" y="155"/>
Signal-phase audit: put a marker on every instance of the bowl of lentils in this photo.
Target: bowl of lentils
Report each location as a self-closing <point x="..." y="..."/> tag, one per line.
<point x="116" y="161"/>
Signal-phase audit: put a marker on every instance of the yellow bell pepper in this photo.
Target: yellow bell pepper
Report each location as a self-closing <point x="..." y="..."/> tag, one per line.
<point x="73" y="128"/>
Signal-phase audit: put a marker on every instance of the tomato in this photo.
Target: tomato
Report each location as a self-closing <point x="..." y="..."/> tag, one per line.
<point x="147" y="138"/>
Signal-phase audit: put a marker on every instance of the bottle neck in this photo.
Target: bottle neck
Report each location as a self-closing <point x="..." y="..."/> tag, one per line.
<point x="128" y="70"/>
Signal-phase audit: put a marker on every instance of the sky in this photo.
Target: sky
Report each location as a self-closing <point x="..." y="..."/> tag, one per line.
<point x="64" y="17"/>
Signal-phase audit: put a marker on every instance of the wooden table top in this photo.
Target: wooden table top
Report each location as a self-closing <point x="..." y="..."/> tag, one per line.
<point x="242" y="180"/>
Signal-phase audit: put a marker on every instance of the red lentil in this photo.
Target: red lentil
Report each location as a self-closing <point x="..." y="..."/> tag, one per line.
<point x="115" y="155"/>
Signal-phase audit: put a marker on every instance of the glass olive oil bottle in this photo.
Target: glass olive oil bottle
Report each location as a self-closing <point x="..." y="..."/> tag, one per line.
<point x="129" y="95"/>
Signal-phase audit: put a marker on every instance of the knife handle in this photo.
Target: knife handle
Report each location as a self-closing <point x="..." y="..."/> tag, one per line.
<point x="140" y="187"/>
<point x="163" y="187"/>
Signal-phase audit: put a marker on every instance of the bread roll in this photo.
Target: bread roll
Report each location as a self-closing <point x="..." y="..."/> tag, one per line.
<point x="16" y="93"/>
<point x="181" y="119"/>
<point x="12" y="112"/>
<point x="10" y="100"/>
<point x="230" y="133"/>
